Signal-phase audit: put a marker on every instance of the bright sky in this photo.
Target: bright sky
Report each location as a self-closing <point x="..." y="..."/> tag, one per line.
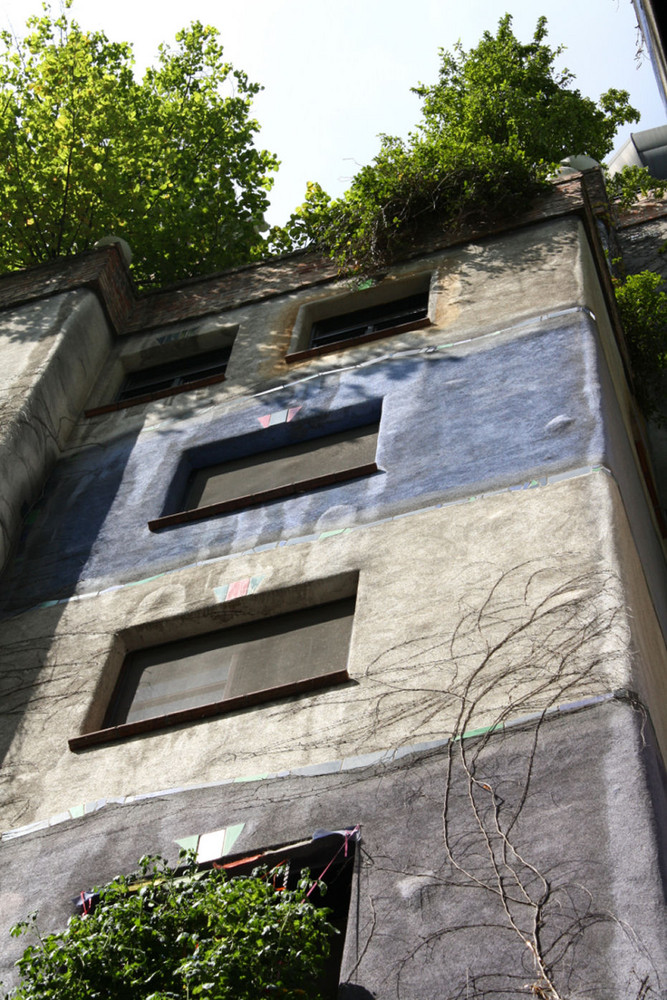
<point x="338" y="74"/>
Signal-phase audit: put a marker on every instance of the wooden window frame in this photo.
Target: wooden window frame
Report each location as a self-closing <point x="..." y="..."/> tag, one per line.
<point x="113" y="734"/>
<point x="172" y="390"/>
<point x="297" y="488"/>
<point x="382" y="299"/>
<point x="148" y="397"/>
<point x="225" y="706"/>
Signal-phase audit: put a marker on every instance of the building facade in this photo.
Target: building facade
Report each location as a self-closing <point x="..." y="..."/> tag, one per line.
<point x="285" y="552"/>
<point x="652" y="23"/>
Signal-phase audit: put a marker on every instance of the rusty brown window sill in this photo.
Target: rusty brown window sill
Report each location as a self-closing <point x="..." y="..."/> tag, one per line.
<point x="125" y="730"/>
<point x="343" y="345"/>
<point x="148" y="397"/>
<point x="252" y="499"/>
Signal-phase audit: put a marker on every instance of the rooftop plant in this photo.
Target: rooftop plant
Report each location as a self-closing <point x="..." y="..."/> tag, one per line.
<point x="493" y="128"/>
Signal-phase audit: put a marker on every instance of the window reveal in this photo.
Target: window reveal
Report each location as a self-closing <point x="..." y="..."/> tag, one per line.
<point x="193" y="371"/>
<point x="372" y="320"/>
<point x="229" y="669"/>
<point x="330" y="325"/>
<point x="281" y="472"/>
<point x="173" y="374"/>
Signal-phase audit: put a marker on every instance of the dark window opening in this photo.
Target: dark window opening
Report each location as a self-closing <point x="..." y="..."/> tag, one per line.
<point x="227" y="670"/>
<point x="168" y="379"/>
<point x="372" y="320"/>
<point x="174" y="373"/>
<point x="276" y="474"/>
<point x="329" y="857"/>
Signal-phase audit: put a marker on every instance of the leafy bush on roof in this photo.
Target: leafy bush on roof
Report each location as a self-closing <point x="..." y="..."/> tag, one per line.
<point x="494" y="126"/>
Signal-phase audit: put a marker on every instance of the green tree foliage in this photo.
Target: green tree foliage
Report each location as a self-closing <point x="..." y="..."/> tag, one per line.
<point x="182" y="934"/>
<point x="168" y="163"/>
<point x="642" y="302"/>
<point x="626" y="187"/>
<point x="643" y="307"/>
<point x="493" y="128"/>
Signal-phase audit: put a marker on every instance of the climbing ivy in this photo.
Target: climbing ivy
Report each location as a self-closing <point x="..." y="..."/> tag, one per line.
<point x="177" y="934"/>
<point x="494" y="127"/>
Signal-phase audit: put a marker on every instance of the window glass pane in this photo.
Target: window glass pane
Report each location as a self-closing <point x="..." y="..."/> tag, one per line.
<point x="296" y="463"/>
<point x="308" y="643"/>
<point x="370" y="320"/>
<point x="173" y="373"/>
<point x="174" y="677"/>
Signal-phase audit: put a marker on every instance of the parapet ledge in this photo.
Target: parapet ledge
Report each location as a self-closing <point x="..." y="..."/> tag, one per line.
<point x="104" y="270"/>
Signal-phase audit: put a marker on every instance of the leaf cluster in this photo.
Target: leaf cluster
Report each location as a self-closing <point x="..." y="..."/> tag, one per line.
<point x="626" y="187"/>
<point x="494" y="128"/>
<point x="182" y="933"/>
<point x="642" y="304"/>
<point x="168" y="162"/>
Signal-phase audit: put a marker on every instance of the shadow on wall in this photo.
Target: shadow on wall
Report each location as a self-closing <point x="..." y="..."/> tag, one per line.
<point x="84" y="529"/>
<point x="522" y="253"/>
<point x="64" y="540"/>
<point x="28" y="323"/>
<point x="51" y="352"/>
<point x="26" y="669"/>
<point x="509" y="262"/>
<point x="62" y="528"/>
<point x="66" y="335"/>
<point x="494" y="416"/>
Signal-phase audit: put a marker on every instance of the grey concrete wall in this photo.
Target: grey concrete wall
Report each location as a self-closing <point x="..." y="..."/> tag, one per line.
<point x="641" y="246"/>
<point x="549" y="824"/>
<point x="476" y="290"/>
<point x="455" y="422"/>
<point x="624" y="434"/>
<point x="490" y="400"/>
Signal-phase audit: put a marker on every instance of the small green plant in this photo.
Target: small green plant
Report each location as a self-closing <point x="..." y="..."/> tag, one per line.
<point x="494" y="128"/>
<point x="182" y="933"/>
<point x="626" y="187"/>
<point x="643" y="307"/>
